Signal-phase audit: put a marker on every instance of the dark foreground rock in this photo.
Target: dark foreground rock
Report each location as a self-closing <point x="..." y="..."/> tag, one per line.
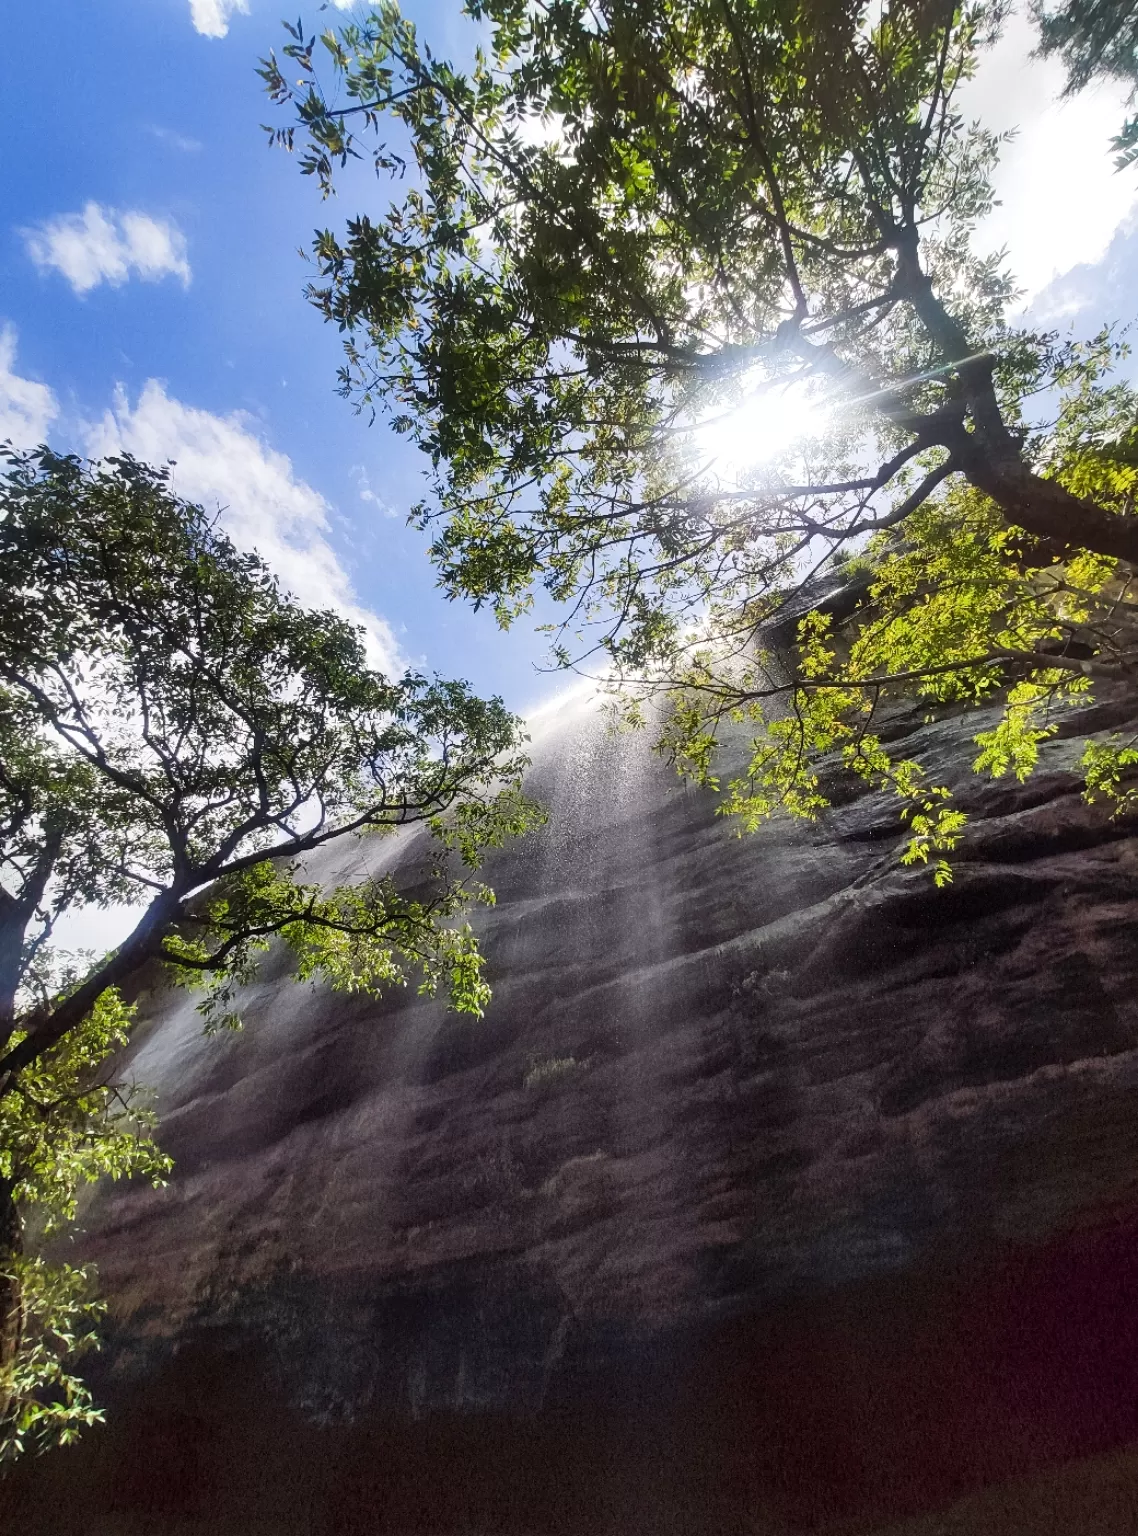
<point x="778" y="1190"/>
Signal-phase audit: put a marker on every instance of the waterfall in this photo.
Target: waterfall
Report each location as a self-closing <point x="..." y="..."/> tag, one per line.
<point x="761" y="1157"/>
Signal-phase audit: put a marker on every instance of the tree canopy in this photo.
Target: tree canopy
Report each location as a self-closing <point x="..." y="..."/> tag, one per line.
<point x="681" y="303"/>
<point x="176" y="734"/>
<point x="1095" y="39"/>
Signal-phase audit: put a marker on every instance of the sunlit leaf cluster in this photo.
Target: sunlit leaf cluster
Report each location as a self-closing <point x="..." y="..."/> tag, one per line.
<point x="46" y="1403"/>
<point x="954" y="612"/>
<point x="69" y="1121"/>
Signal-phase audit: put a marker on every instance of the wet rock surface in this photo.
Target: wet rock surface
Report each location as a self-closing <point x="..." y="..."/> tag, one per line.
<point x="777" y="1190"/>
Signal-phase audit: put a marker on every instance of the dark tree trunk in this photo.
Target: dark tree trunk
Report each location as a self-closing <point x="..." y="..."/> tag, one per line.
<point x="11" y="1308"/>
<point x="1045" y="508"/>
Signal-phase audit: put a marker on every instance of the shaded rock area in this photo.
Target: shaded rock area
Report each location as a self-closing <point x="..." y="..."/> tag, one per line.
<point x="777" y="1191"/>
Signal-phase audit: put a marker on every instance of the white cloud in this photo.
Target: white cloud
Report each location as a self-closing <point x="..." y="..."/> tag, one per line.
<point x="363" y="488"/>
<point x="102" y="245"/>
<point x="1061" y="198"/>
<point x="220" y="461"/>
<point x="27" y="409"/>
<point x="1093" y="291"/>
<point x="211" y="17"/>
<point x="175" y="140"/>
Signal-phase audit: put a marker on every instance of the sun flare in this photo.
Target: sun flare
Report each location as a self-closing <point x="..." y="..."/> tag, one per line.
<point x="770" y="421"/>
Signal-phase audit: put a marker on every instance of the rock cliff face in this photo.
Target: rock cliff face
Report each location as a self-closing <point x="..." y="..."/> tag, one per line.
<point x="778" y="1190"/>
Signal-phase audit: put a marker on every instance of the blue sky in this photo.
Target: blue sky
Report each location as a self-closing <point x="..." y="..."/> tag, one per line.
<point x="131" y="147"/>
<point x="150" y="289"/>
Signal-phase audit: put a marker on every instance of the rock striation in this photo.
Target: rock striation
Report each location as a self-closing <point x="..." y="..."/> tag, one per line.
<point x="778" y="1190"/>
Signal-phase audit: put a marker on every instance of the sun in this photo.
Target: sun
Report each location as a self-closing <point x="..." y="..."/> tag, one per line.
<point x="773" y="419"/>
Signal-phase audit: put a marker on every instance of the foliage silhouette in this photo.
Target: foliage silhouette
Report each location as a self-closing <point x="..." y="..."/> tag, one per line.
<point x="634" y="226"/>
